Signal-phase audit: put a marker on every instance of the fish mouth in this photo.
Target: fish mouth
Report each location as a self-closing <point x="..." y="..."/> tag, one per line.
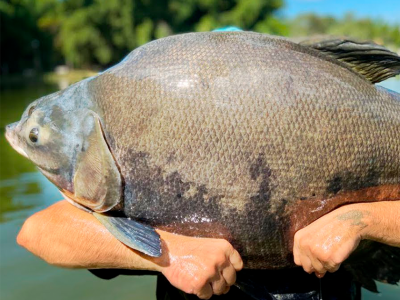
<point x="13" y="140"/>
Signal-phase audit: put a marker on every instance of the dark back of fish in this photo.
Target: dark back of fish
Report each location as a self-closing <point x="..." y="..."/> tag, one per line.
<point x="246" y="137"/>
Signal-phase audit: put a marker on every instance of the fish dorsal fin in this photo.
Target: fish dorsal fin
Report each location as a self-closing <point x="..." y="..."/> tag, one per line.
<point x="372" y="61"/>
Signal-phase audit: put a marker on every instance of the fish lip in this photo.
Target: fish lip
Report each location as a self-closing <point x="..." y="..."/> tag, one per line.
<point x="12" y="138"/>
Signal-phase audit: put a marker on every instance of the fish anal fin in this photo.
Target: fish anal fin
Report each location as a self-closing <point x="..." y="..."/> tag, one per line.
<point x="133" y="234"/>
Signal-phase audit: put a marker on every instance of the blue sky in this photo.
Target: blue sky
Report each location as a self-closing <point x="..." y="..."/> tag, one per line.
<point x="386" y="10"/>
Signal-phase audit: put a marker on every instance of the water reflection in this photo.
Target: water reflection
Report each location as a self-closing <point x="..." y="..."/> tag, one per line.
<point x="19" y="185"/>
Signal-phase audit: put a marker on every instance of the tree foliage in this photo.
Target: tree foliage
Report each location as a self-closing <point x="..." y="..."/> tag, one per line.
<point x="99" y="32"/>
<point x="87" y="33"/>
<point x="23" y="44"/>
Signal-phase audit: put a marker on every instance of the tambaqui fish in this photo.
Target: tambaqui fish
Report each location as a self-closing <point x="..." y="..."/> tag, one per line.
<point x="234" y="135"/>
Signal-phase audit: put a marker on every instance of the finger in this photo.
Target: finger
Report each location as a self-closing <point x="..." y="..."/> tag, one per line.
<point x="229" y="274"/>
<point x="236" y="260"/>
<point x="206" y="292"/>
<point x="296" y="256"/>
<point x="316" y="265"/>
<point x="319" y="275"/>
<point x="227" y="289"/>
<point x="306" y="264"/>
<point x="331" y="267"/>
<point x="296" y="252"/>
<point x="219" y="285"/>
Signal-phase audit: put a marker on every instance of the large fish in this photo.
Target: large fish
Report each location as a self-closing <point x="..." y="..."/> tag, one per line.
<point x="234" y="135"/>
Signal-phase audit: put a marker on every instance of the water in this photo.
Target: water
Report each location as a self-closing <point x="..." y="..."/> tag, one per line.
<point x="24" y="191"/>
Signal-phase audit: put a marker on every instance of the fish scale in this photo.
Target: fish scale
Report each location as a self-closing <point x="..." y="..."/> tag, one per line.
<point x="233" y="135"/>
<point x="209" y="138"/>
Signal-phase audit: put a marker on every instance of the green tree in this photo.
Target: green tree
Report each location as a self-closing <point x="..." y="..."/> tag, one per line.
<point x="102" y="32"/>
<point x="23" y="44"/>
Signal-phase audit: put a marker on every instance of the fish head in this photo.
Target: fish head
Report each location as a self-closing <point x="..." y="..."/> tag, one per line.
<point x="47" y="136"/>
<point x="63" y="137"/>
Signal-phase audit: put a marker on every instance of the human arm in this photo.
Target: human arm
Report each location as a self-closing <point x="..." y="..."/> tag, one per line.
<point x="65" y="236"/>
<point x="323" y="245"/>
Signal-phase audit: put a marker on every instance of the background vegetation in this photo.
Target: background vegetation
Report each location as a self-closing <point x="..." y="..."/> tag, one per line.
<point x="38" y="35"/>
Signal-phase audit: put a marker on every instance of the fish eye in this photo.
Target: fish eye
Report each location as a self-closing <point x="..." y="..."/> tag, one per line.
<point x="31" y="109"/>
<point x="33" y="135"/>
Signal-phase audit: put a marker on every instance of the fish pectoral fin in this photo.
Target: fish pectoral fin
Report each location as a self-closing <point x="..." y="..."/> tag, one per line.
<point x="133" y="234"/>
<point x="372" y="61"/>
<point x="97" y="179"/>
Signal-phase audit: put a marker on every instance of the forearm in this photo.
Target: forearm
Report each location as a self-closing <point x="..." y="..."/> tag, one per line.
<point x="382" y="221"/>
<point x="65" y="236"/>
<point x="324" y="244"/>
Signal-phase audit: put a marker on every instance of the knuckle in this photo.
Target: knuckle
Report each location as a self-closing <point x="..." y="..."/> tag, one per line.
<point x="324" y="256"/>
<point x="188" y="290"/>
<point x="220" y="259"/>
<point x="331" y="264"/>
<point x="226" y="245"/>
<point x="336" y="260"/>
<point x="209" y="271"/>
<point x="304" y="243"/>
<point x="217" y="257"/>
<point x="315" y="249"/>
<point x="197" y="284"/>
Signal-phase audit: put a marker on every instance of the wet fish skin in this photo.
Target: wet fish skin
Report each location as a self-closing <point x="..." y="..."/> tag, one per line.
<point x="234" y="129"/>
<point x="240" y="136"/>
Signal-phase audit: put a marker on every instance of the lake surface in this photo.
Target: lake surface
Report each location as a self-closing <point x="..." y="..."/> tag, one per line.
<point x="24" y="191"/>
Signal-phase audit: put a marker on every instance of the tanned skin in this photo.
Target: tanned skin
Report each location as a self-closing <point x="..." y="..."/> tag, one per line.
<point x="323" y="245"/>
<point x="196" y="266"/>
<point x="203" y="266"/>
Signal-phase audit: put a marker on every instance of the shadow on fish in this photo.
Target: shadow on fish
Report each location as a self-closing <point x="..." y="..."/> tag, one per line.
<point x="234" y="135"/>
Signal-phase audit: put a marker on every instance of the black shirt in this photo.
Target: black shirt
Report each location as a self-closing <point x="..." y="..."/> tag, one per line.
<point x="293" y="284"/>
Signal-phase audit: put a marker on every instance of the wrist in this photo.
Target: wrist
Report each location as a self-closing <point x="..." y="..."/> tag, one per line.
<point x="160" y="264"/>
<point x="365" y="219"/>
<point x="358" y="217"/>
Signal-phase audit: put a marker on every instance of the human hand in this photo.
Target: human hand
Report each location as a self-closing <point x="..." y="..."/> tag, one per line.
<point x="200" y="266"/>
<point x="323" y="245"/>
